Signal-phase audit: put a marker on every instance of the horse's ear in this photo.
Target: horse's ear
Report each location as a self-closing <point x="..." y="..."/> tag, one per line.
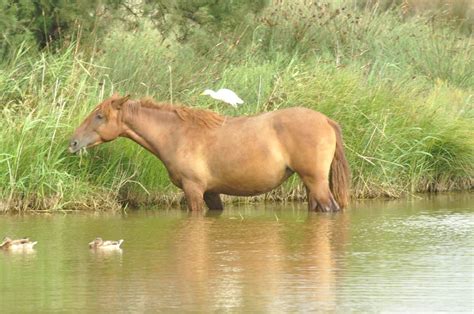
<point x="117" y="103"/>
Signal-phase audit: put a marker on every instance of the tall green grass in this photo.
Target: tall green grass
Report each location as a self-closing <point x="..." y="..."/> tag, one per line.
<point x="402" y="90"/>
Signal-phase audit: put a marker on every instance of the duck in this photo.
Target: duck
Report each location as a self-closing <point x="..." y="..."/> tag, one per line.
<point x="225" y="95"/>
<point x="17" y="244"/>
<point x="98" y="243"/>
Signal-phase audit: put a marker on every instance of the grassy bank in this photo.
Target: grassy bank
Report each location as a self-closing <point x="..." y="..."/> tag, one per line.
<point x="401" y="88"/>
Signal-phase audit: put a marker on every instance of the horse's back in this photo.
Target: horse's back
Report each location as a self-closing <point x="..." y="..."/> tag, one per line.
<point x="278" y="120"/>
<point x="276" y="130"/>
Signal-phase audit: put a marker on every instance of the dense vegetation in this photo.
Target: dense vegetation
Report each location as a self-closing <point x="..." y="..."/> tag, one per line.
<point x="399" y="81"/>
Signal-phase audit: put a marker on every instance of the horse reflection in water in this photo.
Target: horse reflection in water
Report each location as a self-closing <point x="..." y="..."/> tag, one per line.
<point x="256" y="261"/>
<point x="207" y="154"/>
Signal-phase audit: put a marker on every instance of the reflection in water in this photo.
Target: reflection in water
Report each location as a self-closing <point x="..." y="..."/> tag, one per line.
<point x="112" y="253"/>
<point x="26" y="253"/>
<point x="320" y="235"/>
<point x="378" y="256"/>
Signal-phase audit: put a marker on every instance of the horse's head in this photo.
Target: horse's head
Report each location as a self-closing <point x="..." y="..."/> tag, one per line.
<point x="102" y="125"/>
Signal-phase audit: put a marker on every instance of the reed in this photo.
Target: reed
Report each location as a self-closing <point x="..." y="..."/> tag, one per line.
<point x="400" y="87"/>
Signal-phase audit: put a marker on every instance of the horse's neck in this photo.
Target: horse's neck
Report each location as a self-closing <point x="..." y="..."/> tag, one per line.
<point x="156" y="130"/>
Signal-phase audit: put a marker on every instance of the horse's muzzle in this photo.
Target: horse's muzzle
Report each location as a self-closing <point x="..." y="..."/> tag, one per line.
<point x="74" y="146"/>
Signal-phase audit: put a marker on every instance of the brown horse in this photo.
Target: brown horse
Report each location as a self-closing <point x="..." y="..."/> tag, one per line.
<point x="207" y="154"/>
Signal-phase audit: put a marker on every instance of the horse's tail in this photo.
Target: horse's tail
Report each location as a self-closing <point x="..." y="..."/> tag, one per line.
<point x="340" y="176"/>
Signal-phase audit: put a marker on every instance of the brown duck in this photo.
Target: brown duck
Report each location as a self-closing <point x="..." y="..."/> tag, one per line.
<point x="17" y="244"/>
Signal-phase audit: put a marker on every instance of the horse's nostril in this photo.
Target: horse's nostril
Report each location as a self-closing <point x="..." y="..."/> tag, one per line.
<point x="74" y="143"/>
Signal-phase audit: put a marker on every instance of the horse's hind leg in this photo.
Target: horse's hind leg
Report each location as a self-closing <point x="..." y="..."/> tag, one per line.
<point x="313" y="165"/>
<point x="320" y="197"/>
<point x="213" y="201"/>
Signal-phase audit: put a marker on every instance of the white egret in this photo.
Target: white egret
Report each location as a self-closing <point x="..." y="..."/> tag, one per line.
<point x="225" y="95"/>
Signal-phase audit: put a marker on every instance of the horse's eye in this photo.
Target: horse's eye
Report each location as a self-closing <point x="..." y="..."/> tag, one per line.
<point x="100" y="116"/>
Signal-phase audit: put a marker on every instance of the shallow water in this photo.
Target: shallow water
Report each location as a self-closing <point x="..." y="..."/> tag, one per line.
<point x="407" y="255"/>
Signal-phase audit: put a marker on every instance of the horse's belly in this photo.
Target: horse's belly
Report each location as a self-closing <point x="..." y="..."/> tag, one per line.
<point x="251" y="183"/>
<point x="248" y="163"/>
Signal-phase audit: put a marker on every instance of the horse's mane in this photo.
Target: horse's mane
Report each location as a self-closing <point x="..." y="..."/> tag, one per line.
<point x="201" y="117"/>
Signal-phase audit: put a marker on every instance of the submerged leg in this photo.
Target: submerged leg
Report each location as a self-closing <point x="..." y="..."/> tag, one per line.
<point x="213" y="201"/>
<point x="194" y="196"/>
<point x="320" y="197"/>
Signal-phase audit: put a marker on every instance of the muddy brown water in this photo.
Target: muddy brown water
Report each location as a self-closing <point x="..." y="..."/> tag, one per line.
<point x="405" y="255"/>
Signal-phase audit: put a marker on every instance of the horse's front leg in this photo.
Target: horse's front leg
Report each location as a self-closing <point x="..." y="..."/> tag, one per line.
<point x="194" y="195"/>
<point x="213" y="201"/>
